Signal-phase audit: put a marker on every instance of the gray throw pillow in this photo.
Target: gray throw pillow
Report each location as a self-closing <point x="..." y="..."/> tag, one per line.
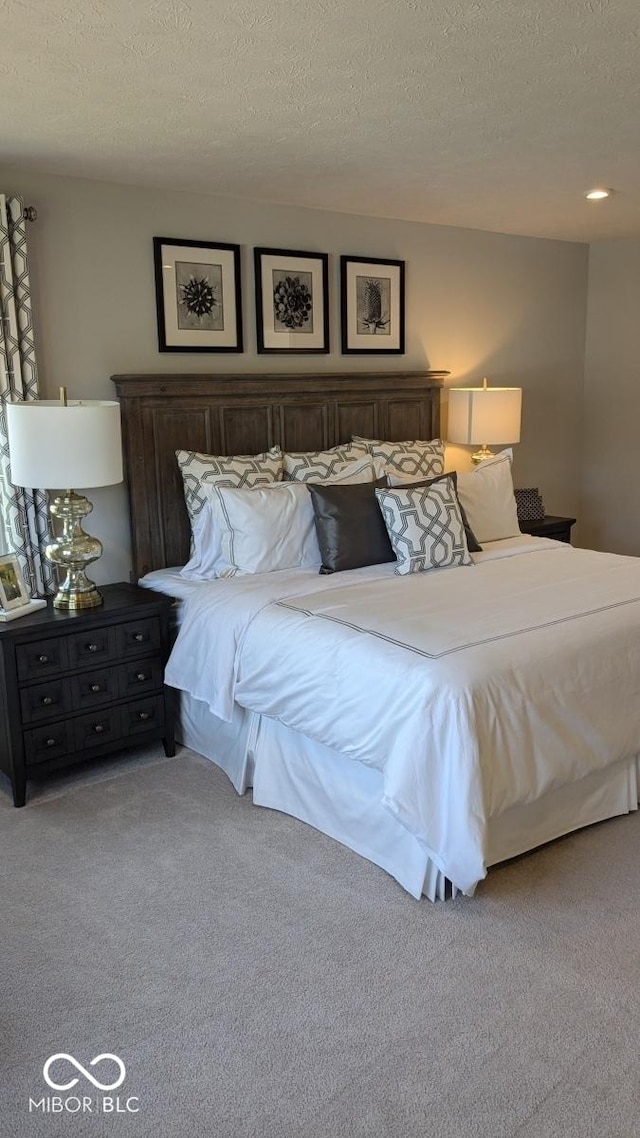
<point x="349" y="526"/>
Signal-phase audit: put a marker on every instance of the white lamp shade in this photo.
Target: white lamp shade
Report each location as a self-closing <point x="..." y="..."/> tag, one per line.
<point x="53" y="446"/>
<point x="479" y="415"/>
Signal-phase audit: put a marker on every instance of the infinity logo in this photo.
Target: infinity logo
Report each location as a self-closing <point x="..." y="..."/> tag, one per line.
<point x="83" y="1071"/>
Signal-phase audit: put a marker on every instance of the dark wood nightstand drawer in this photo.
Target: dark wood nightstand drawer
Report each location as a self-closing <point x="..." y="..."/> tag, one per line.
<point x="92" y="689"/>
<point x="44" y="743"/>
<point x="91" y="647"/>
<point x="143" y="715"/>
<point x="100" y="726"/>
<point x="141" y="676"/>
<point x="45" y="701"/>
<point x="42" y="658"/>
<point x="138" y="636"/>
<point x="78" y="685"/>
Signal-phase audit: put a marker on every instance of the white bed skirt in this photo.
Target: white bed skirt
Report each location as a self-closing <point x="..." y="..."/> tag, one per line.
<point x="343" y="798"/>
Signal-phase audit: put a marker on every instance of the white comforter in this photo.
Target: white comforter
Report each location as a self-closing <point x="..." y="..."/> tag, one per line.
<point x="471" y="689"/>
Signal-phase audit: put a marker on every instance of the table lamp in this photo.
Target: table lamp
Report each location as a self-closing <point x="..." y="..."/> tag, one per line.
<point x="482" y="415"/>
<point x="56" y="444"/>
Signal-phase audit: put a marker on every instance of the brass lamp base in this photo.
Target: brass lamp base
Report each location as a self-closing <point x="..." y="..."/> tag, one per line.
<point x="77" y="591"/>
<point x="482" y="454"/>
<point x="72" y="552"/>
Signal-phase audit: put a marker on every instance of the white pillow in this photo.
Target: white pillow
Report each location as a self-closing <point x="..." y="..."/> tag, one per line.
<point x="210" y="559"/>
<point x="396" y="479"/>
<point x="413" y="458"/>
<point x="314" y="465"/>
<point x="425" y="527"/>
<point x="265" y="529"/>
<point x="486" y="495"/>
<point x="206" y="546"/>
<point x="201" y="472"/>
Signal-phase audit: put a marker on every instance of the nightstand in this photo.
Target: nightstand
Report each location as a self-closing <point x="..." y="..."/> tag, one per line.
<point x="557" y="528"/>
<point x="79" y="685"/>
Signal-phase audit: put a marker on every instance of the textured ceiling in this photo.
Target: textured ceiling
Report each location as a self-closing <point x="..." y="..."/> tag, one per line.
<point x="482" y="113"/>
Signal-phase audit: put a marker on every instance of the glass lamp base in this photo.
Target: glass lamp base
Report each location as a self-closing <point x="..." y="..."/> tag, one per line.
<point x="482" y="454"/>
<point x="72" y="551"/>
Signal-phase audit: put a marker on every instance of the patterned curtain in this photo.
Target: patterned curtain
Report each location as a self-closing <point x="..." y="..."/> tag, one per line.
<point x="24" y="513"/>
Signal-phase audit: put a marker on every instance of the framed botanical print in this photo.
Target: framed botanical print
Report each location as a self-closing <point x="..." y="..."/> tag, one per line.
<point x="198" y="295"/>
<point x="372" y="305"/>
<point x="292" y="301"/>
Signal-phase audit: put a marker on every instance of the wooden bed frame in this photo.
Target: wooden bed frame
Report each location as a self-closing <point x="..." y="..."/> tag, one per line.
<point x="247" y="414"/>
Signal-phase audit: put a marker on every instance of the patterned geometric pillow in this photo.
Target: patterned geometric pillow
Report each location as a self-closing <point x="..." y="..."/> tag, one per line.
<point x="308" y="466"/>
<point x="201" y="472"/>
<point x="425" y="527"/>
<point x="357" y="471"/>
<point x="412" y="458"/>
<point x="529" y="504"/>
<point x="473" y="545"/>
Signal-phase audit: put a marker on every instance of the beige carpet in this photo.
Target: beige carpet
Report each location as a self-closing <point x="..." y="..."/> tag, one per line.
<point x="259" y="980"/>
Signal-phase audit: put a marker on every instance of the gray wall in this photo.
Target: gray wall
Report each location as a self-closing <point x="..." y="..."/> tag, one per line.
<point x="611" y="471"/>
<point x="510" y="308"/>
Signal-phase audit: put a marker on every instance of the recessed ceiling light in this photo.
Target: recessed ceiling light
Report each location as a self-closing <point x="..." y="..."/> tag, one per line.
<point x="597" y="194"/>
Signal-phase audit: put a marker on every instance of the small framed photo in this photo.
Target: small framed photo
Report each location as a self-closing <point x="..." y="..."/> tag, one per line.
<point x="292" y="301"/>
<point x="198" y="296"/>
<point x="13" y="592"/>
<point x="372" y="305"/>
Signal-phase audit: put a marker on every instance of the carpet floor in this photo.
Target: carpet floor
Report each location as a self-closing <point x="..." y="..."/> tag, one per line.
<point x="260" y="981"/>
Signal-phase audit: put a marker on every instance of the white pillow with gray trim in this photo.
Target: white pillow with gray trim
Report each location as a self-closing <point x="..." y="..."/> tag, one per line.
<point x="265" y="529"/>
<point x="425" y="527"/>
<point x="486" y="495"/>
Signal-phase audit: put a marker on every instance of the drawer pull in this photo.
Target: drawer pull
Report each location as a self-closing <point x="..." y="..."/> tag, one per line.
<point x="141" y="677"/>
<point x="51" y="742"/>
<point x="98" y="728"/>
<point x="92" y="647"/>
<point x="138" y="636"/>
<point x="96" y="687"/>
<point x="47" y="700"/>
<point x="143" y="715"/>
<point x="43" y="659"/>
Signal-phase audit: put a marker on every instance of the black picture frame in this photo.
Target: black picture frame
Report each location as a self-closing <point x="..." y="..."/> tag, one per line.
<point x="372" y="305"/>
<point x="292" y="301"/>
<point x="198" y="314"/>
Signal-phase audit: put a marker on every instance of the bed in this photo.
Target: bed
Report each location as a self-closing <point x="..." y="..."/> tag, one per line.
<point x="504" y="712"/>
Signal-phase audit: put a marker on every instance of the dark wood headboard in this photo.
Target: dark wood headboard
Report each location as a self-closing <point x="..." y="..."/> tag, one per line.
<point x="247" y="414"/>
